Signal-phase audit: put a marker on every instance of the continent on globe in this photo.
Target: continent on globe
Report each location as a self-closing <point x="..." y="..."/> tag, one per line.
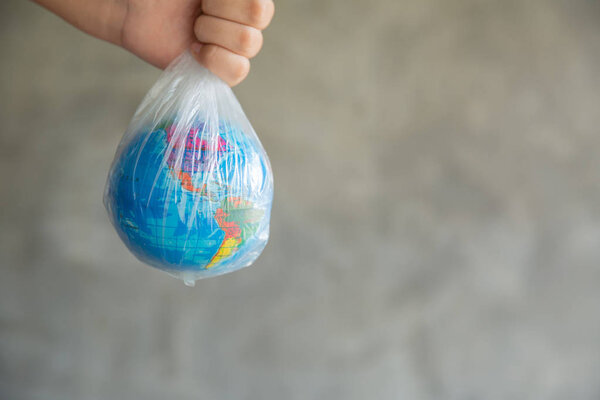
<point x="192" y="155"/>
<point x="239" y="220"/>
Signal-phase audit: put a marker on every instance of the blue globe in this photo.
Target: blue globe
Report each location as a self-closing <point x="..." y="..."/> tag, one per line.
<point x="192" y="204"/>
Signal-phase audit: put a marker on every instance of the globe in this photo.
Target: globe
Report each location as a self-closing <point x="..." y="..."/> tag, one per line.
<point x="191" y="199"/>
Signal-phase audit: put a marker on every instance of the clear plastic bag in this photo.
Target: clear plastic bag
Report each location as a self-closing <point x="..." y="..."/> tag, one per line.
<point x="191" y="187"/>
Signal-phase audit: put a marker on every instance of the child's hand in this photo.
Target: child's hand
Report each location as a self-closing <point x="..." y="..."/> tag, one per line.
<point x="223" y="34"/>
<point x="159" y="30"/>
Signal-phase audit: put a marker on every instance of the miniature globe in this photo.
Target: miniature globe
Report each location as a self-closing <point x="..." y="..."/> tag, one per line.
<point x="191" y="203"/>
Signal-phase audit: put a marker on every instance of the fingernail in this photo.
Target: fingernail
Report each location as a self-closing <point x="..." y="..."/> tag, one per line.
<point x="195" y="47"/>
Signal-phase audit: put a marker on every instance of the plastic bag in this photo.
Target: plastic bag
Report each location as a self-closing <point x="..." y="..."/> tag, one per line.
<point x="191" y="187"/>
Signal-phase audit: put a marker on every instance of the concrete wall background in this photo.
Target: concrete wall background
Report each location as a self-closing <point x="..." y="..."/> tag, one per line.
<point x="436" y="228"/>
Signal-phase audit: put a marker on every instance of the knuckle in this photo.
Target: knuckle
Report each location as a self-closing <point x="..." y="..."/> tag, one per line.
<point x="250" y="41"/>
<point x="239" y="70"/>
<point x="258" y="13"/>
<point x="245" y="39"/>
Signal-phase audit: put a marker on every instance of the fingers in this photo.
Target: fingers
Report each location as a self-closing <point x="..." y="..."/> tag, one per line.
<point x="230" y="67"/>
<point x="254" y="13"/>
<point x="229" y="32"/>
<point x="240" y="39"/>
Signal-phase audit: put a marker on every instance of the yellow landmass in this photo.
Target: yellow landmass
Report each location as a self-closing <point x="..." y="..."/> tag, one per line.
<point x="228" y="247"/>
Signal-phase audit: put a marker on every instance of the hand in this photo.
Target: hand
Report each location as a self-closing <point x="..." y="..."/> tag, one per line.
<point x="222" y="34"/>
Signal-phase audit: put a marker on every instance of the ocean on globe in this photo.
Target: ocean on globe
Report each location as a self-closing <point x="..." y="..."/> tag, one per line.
<point x="194" y="204"/>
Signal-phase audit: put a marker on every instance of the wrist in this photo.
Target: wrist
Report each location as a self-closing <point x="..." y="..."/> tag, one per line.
<point x="100" y="18"/>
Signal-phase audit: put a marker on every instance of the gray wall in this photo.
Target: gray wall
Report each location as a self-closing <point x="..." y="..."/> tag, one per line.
<point x="436" y="227"/>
